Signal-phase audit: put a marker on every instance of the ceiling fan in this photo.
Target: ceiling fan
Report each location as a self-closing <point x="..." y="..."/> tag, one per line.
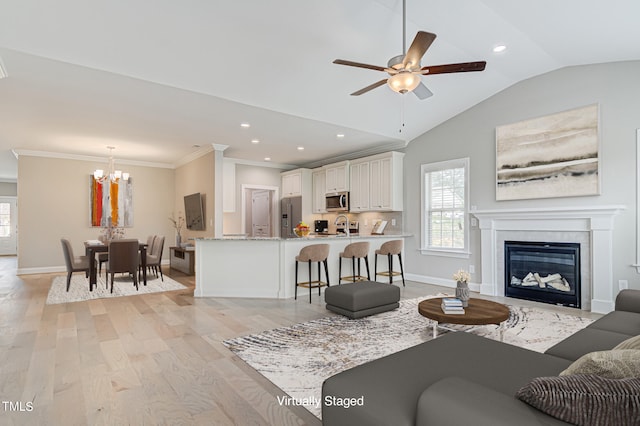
<point x="405" y="70"/>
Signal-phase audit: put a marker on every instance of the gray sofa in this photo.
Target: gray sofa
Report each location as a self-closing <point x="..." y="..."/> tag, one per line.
<point x="463" y="379"/>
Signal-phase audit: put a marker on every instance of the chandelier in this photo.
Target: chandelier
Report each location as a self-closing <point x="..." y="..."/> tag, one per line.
<point x="113" y="174"/>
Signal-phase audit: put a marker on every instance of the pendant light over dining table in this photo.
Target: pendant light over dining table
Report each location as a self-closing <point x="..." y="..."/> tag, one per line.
<point x="112" y="174"/>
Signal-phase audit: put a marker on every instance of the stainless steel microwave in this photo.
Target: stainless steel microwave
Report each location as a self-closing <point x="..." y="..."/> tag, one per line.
<point x="337" y="202"/>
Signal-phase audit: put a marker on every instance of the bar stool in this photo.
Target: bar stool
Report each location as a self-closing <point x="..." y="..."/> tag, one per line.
<point x="389" y="249"/>
<point x="313" y="253"/>
<point x="353" y="251"/>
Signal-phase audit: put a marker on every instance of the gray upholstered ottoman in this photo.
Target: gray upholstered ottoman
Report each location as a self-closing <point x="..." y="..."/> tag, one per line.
<point x="360" y="299"/>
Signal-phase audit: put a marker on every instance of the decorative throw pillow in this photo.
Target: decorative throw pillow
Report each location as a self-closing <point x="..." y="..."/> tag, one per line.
<point x="585" y="399"/>
<point x="630" y="343"/>
<point x="613" y="364"/>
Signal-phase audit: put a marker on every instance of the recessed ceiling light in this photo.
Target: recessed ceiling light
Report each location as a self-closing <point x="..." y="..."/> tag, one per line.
<point x="255" y="141"/>
<point x="301" y="148"/>
<point x="340" y="135"/>
<point x="195" y="146"/>
<point x="245" y="125"/>
<point x="499" y="48"/>
<point x="267" y="158"/>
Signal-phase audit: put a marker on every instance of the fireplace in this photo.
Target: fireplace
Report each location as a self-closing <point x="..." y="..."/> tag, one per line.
<point x="543" y="272"/>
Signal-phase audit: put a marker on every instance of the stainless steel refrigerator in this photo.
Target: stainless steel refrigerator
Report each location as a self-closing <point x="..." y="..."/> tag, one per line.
<point x="290" y="215"/>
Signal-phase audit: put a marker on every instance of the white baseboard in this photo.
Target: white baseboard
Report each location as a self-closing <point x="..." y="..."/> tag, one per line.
<point x="444" y="282"/>
<point x="41" y="270"/>
<point x="601" y="306"/>
<point x="56" y="269"/>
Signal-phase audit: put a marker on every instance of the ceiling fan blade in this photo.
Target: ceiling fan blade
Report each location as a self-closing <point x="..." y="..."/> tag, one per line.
<point x="418" y="47"/>
<point x="449" y="68"/>
<point x="359" y="65"/>
<point x="370" y="87"/>
<point x="422" y="92"/>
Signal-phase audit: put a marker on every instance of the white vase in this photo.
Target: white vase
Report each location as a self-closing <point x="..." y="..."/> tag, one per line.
<point x="178" y="240"/>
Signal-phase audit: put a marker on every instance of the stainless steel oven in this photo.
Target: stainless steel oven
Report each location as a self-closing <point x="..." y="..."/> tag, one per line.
<point x="337" y="202"/>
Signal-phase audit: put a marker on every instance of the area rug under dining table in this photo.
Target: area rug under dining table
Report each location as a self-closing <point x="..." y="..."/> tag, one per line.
<point x="299" y="358"/>
<point x="123" y="286"/>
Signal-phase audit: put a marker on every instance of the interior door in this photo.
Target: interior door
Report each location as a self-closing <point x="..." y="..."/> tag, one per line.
<point x="261" y="213"/>
<point x="8" y="227"/>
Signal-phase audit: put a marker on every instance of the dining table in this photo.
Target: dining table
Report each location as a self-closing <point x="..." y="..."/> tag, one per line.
<point x="92" y="247"/>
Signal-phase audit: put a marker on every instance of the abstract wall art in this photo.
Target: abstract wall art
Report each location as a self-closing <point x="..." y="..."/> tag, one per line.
<point x="551" y="156"/>
<point x="111" y="200"/>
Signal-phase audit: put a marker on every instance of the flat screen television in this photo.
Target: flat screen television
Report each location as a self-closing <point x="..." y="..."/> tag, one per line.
<point x="193" y="211"/>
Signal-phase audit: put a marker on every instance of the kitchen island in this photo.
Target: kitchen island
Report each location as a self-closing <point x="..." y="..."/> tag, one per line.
<point x="265" y="267"/>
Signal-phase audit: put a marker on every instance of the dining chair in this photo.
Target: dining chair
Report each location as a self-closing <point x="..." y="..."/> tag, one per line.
<point x="123" y="257"/>
<point x="73" y="263"/>
<point x="154" y="257"/>
<point x="150" y="240"/>
<point x="102" y="257"/>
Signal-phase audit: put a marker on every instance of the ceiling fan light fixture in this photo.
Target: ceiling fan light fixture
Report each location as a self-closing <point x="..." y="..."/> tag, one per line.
<point x="403" y="82"/>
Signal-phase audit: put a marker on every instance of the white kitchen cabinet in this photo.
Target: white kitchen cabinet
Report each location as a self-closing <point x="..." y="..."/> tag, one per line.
<point x="295" y="182"/>
<point x="386" y="185"/>
<point x="319" y="190"/>
<point x="337" y="177"/>
<point x="377" y="183"/>
<point x="359" y="191"/>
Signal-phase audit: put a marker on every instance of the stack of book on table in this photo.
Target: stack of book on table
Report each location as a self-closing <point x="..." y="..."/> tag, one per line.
<point x="452" y="305"/>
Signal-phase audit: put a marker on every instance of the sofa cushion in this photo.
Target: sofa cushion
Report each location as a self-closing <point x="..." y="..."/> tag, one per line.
<point x="392" y="385"/>
<point x="628" y="300"/>
<point x="454" y="401"/>
<point x="630" y="343"/>
<point x="613" y="364"/>
<point x="585" y="399"/>
<point x="619" y="322"/>
<point x="585" y="341"/>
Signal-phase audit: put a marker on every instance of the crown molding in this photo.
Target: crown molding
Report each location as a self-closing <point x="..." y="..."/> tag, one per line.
<point x="378" y="149"/>
<point x="266" y="164"/>
<point x="46" y="154"/>
<point x="204" y="150"/>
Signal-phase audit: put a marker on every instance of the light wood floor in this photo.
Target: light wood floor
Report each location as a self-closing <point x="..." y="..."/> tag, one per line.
<point x="143" y="360"/>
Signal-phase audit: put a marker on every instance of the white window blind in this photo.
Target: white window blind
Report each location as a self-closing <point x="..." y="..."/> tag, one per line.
<point x="445" y="189"/>
<point x="5" y="219"/>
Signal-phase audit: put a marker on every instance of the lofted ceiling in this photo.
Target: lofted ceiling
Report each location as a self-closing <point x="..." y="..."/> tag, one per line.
<point x="159" y="80"/>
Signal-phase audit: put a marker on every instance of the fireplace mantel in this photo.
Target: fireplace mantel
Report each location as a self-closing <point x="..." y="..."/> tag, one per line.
<point x="598" y="221"/>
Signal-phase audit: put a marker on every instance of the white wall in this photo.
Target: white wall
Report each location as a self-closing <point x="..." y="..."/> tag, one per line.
<point x="195" y="176"/>
<point x="54" y="203"/>
<point x="8" y="189"/>
<point x="248" y="175"/>
<point x="614" y="87"/>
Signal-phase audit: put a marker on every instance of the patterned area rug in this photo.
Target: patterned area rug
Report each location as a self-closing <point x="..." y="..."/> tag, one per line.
<point x="123" y="286"/>
<point x="299" y="358"/>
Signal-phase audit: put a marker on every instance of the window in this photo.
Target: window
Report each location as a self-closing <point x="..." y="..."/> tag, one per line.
<point x="5" y="219"/>
<point x="444" y="200"/>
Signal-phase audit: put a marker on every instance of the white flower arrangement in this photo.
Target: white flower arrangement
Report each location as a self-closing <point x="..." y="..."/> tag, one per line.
<point x="111" y="232"/>
<point x="462" y="276"/>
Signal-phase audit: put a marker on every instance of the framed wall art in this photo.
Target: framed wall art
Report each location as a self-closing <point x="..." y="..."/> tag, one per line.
<point x="552" y="156"/>
<point x="111" y="200"/>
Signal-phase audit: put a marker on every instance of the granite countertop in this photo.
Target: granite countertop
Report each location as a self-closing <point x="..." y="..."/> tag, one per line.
<point x="309" y="237"/>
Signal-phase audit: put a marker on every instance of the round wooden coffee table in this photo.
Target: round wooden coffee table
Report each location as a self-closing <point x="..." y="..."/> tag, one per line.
<point x="479" y="312"/>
